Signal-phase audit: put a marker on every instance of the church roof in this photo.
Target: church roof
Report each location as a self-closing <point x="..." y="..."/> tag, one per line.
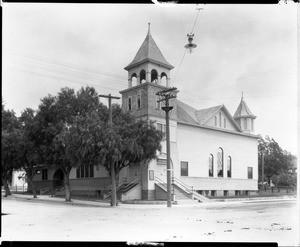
<point x="149" y="51"/>
<point x="189" y="115"/>
<point x="204" y="114"/>
<point x="243" y="110"/>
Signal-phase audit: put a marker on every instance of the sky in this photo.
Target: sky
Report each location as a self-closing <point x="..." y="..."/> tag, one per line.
<point x="240" y="48"/>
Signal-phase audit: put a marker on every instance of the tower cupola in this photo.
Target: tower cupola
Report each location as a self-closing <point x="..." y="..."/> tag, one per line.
<point x="149" y="65"/>
<point x="244" y="117"/>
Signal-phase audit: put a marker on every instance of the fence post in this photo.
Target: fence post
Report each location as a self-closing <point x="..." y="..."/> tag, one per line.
<point x="272" y="189"/>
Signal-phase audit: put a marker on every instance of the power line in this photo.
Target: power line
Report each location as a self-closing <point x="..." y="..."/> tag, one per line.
<point x="56" y="62"/>
<point x="61" y="78"/>
<point x="77" y="74"/>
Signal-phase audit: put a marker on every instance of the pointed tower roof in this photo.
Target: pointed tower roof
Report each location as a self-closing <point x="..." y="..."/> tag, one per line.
<point x="243" y="110"/>
<point x="149" y="51"/>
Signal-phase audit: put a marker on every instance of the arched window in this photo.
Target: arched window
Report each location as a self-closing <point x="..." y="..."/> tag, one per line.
<point x="129" y="103"/>
<point x="220" y="162"/>
<point x="216" y="121"/>
<point x="252" y="124"/>
<point x="225" y="123"/>
<point x="211" y="166"/>
<point x="229" y="160"/>
<point x="154" y="76"/>
<point x="134" y="79"/>
<point x="139" y="101"/>
<point x="163" y="79"/>
<point x="220" y="119"/>
<point x="142" y="76"/>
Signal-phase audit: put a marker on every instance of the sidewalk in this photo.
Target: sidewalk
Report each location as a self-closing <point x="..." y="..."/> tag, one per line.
<point x="106" y="203"/>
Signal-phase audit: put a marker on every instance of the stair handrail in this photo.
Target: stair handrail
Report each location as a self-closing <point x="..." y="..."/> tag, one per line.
<point x="119" y="185"/>
<point x="137" y="180"/>
<point x="161" y="182"/>
<point x="188" y="189"/>
<point x="43" y="191"/>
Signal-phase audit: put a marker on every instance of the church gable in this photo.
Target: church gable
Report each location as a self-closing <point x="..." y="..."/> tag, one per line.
<point x="220" y="118"/>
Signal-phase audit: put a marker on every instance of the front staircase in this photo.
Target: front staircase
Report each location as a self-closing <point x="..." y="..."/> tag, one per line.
<point x="181" y="191"/>
<point x="51" y="191"/>
<point x="122" y="189"/>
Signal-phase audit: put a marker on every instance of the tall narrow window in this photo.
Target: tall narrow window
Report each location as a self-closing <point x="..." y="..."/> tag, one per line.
<point x="216" y="121"/>
<point x="86" y="171"/>
<point x="211" y="166"/>
<point x="129" y="103"/>
<point x="245" y="123"/>
<point x="184" y="167"/>
<point x="252" y="124"/>
<point x="229" y="167"/>
<point x="220" y="119"/>
<point x="91" y="171"/>
<point x="224" y="122"/>
<point x="158" y="106"/>
<point x="250" y="172"/>
<point x="220" y="162"/>
<point x="78" y="172"/>
<point x="139" y="101"/>
<point x="82" y="171"/>
<point x="44" y="174"/>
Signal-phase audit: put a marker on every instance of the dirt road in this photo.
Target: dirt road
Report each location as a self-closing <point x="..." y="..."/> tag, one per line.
<point x="250" y="221"/>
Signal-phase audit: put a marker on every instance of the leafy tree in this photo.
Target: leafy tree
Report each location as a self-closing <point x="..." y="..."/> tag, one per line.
<point x="124" y="142"/>
<point x="10" y="132"/>
<point x="63" y="126"/>
<point x="29" y="155"/>
<point x="277" y="162"/>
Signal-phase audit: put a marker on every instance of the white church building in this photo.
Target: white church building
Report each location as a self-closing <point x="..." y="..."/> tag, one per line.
<point x="212" y="152"/>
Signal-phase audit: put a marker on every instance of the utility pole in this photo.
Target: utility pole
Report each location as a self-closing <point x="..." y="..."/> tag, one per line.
<point x="112" y="166"/>
<point x="165" y="96"/>
<point x="262" y="169"/>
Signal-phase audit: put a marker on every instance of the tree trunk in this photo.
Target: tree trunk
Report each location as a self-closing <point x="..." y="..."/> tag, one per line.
<point x="7" y="191"/>
<point x="67" y="186"/>
<point x="30" y="178"/>
<point x="113" y="185"/>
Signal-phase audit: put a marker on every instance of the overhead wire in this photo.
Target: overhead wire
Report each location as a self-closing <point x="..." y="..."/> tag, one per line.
<point x="63" y="78"/>
<point x="70" y="65"/>
<point x="78" y="75"/>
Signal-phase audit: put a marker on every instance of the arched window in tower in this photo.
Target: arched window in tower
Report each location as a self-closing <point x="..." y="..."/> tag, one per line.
<point x="154" y="76"/>
<point x="211" y="166"/>
<point x="134" y="79"/>
<point x="216" y="121"/>
<point x="142" y="76"/>
<point x="220" y="119"/>
<point x="252" y="124"/>
<point x="220" y="162"/>
<point x="229" y="167"/>
<point x="163" y="79"/>
<point x="225" y="123"/>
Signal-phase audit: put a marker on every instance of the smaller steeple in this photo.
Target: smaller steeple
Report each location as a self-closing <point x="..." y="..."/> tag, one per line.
<point x="244" y="117"/>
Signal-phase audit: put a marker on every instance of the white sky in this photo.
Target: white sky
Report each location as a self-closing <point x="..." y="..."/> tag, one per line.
<point x="249" y="48"/>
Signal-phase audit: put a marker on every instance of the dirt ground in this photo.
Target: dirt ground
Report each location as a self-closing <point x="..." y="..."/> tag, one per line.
<point x="246" y="221"/>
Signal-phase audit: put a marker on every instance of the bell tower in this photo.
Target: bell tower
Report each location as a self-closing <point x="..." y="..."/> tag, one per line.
<point x="148" y="73"/>
<point x="149" y="65"/>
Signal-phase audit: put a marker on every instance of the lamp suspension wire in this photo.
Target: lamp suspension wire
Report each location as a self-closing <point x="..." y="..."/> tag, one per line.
<point x="198" y="9"/>
<point x="192" y="27"/>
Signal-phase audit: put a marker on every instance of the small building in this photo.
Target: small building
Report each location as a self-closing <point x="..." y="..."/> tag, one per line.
<point x="212" y="152"/>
